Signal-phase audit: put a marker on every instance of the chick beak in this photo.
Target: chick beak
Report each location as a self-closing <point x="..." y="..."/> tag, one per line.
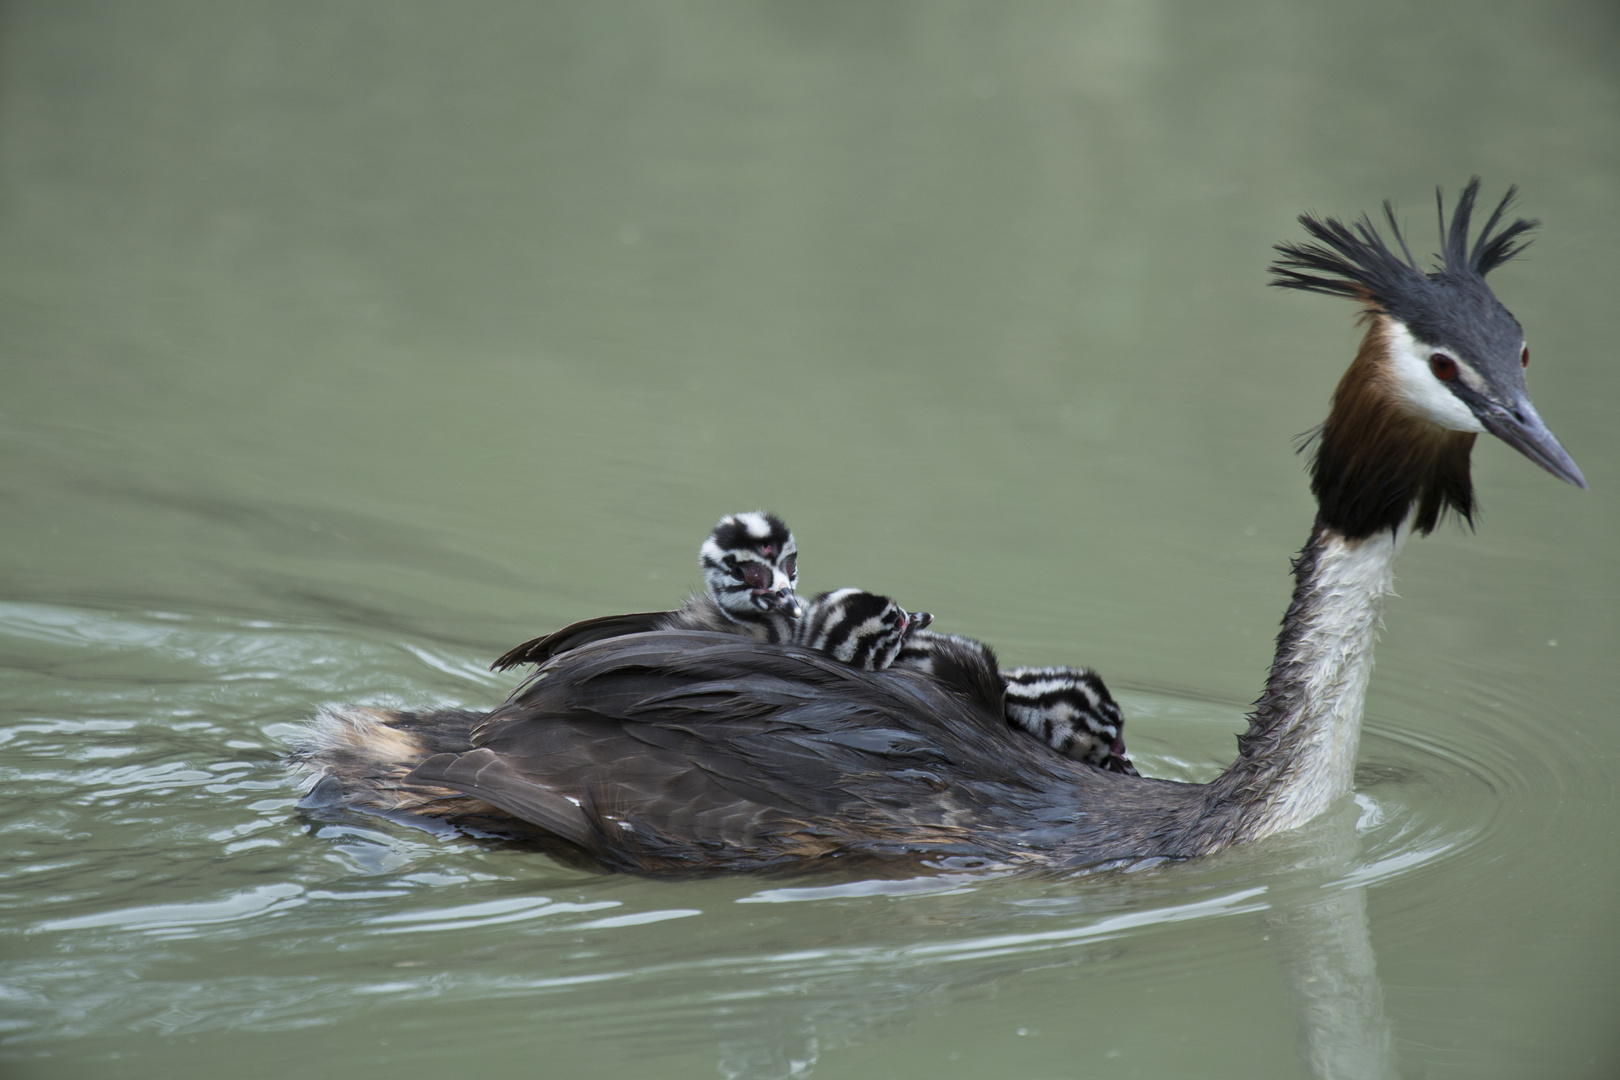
<point x="1118" y="762"/>
<point x="783" y="600"/>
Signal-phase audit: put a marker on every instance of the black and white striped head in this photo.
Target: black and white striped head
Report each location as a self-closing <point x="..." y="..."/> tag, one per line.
<point x="862" y="629"/>
<point x="751" y="567"/>
<point x="1070" y="710"/>
<point x="1443" y="361"/>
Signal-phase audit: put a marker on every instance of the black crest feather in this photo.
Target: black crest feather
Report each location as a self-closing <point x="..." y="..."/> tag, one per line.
<point x="1355" y="261"/>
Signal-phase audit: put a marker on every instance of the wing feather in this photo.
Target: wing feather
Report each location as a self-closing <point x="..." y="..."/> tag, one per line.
<point x="539" y="650"/>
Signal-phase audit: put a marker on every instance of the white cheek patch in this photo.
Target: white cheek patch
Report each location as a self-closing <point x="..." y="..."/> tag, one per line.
<point x="1420" y="390"/>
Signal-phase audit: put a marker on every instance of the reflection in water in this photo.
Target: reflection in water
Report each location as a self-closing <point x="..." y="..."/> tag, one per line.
<point x="1319" y="927"/>
<point x="1333" y="977"/>
<point x="1314" y="920"/>
<point x="767" y="1055"/>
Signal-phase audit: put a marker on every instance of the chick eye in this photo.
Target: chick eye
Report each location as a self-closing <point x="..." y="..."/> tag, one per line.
<point x="756" y="576"/>
<point x="791" y="566"/>
<point x="1524" y="356"/>
<point x="1443" y="366"/>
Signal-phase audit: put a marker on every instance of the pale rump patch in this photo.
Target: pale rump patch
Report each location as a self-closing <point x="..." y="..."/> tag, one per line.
<point x="367" y="735"/>
<point x="370" y="756"/>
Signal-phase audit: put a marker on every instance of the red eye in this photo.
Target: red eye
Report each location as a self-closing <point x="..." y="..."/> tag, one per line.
<point x="1524" y="356"/>
<point x="756" y="576"/>
<point x="1443" y="366"/>
<point x="791" y="567"/>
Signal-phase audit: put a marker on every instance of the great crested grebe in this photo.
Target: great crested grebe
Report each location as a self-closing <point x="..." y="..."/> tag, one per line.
<point x="1067" y="708"/>
<point x="750" y="565"/>
<point x="1070" y="710"/>
<point x="688" y="750"/>
<point x="858" y="627"/>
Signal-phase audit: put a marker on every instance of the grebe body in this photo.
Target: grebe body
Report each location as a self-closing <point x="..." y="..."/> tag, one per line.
<point x="685" y="750"/>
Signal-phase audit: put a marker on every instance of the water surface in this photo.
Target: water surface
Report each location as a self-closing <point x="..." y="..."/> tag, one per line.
<point x="341" y="347"/>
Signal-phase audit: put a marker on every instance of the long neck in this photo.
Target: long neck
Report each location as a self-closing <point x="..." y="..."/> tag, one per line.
<point x="1299" y="753"/>
<point x="1381" y="471"/>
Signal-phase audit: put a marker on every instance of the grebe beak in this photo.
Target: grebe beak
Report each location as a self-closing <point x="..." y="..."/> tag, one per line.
<point x="1521" y="427"/>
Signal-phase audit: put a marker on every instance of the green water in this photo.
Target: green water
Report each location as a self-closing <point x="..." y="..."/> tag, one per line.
<point x="343" y="346"/>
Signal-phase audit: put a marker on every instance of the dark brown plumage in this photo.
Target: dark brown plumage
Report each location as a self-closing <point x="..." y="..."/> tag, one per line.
<point x="686" y="750"/>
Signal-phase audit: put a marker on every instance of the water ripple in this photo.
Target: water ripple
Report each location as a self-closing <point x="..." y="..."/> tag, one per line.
<point x="194" y="899"/>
